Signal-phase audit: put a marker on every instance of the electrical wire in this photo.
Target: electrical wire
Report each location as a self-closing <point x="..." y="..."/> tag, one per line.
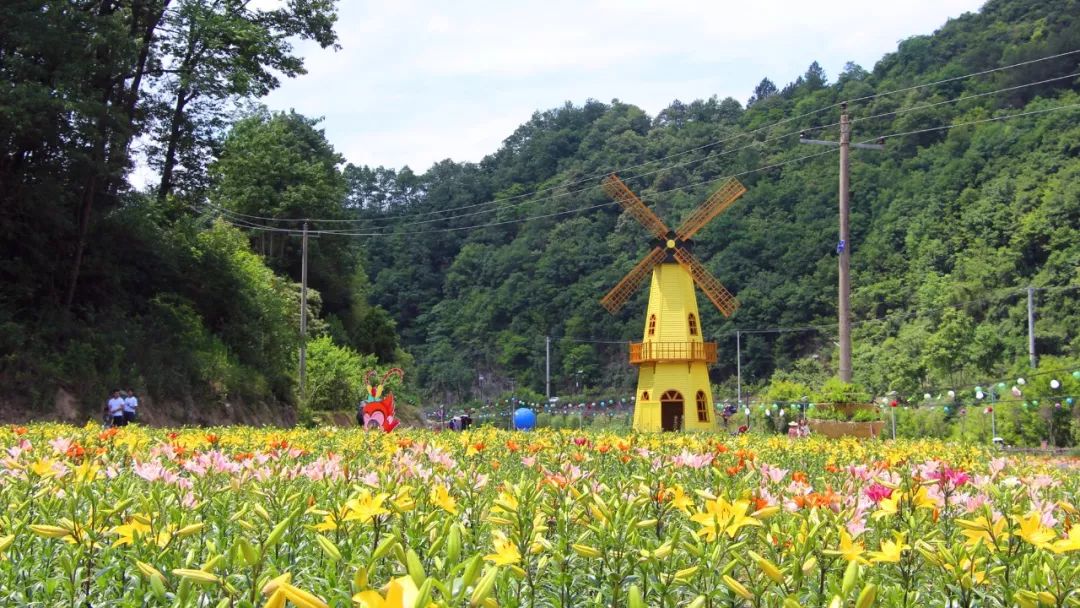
<point x="1003" y="294"/>
<point x="704" y="182"/>
<point x="592" y="176"/>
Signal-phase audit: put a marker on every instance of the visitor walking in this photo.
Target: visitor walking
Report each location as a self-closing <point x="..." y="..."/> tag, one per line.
<point x="116" y="408"/>
<point x="131" y="404"/>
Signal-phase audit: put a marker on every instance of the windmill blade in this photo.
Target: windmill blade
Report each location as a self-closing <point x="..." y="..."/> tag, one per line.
<point x="616" y="189"/>
<point x="720" y="200"/>
<point x="717" y="293"/>
<point x="618" y="296"/>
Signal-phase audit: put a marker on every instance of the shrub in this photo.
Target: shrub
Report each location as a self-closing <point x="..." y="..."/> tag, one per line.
<point x="836" y="391"/>
<point x="335" y="375"/>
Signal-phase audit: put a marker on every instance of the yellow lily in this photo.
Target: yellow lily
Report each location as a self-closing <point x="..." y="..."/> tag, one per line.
<point x="1069" y="544"/>
<point x="44" y="468"/>
<point x="400" y="593"/>
<point x="720" y="517"/>
<point x="890" y="550"/>
<point x="505" y="503"/>
<point x="980" y="530"/>
<point x="849" y="549"/>
<point x="129" y="532"/>
<point x="87" y="471"/>
<point x="922" y="499"/>
<point x="1032" y="530"/>
<point x="366" y="507"/>
<point x="680" y="500"/>
<point x="440" y="496"/>
<point x="403" y="500"/>
<point x="331" y="519"/>
<point x="506" y="553"/>
<point x="888" y="506"/>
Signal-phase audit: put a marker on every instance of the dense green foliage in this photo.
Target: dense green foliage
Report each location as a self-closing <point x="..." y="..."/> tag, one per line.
<point x="467" y="267"/>
<point x="107" y="286"/>
<point x="948" y="226"/>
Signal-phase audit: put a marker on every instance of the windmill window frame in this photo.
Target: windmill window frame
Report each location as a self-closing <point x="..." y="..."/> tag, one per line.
<point x="652" y="325"/>
<point x="702" y="407"/>
<point x="692" y="322"/>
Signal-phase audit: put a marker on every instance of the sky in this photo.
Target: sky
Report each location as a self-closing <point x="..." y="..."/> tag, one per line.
<point x="416" y="82"/>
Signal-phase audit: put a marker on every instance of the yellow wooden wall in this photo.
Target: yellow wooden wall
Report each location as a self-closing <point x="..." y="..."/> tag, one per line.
<point x="672" y="299"/>
<point x="688" y="379"/>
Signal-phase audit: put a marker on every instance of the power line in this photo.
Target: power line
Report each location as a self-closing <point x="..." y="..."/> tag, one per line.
<point x="1002" y="294"/>
<point x="704" y="182"/>
<point x="964" y="98"/>
<point x="976" y="122"/>
<point x="591" y="176"/>
<point x="437" y="230"/>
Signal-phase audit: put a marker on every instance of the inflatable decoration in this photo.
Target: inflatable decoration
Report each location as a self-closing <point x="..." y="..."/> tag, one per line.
<point x="377" y="410"/>
<point x="524" y="419"/>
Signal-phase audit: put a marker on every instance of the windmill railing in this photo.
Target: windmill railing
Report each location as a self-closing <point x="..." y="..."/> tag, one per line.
<point x="650" y="352"/>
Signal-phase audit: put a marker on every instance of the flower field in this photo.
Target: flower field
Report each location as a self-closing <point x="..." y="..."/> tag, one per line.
<point x="327" y="517"/>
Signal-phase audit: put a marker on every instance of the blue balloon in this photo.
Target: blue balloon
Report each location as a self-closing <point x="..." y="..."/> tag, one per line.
<point x="524" y="419"/>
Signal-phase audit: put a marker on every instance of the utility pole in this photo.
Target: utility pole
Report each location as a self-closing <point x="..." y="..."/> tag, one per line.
<point x="303" y="315"/>
<point x="1031" y="328"/>
<point x="738" y="368"/>
<point x="547" y="367"/>
<point x="843" y="248"/>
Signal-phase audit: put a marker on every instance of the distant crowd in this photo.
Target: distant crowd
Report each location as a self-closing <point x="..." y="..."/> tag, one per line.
<point x="122" y="408"/>
<point x="459" y="423"/>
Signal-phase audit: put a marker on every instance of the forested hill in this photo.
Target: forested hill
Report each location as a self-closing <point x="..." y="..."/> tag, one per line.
<point x="947" y="225"/>
<point x="188" y="290"/>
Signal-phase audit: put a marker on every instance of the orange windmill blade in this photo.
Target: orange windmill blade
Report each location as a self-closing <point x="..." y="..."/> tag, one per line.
<point x="720" y="200"/>
<point x="619" y="294"/>
<point x="707" y="283"/>
<point x="616" y="189"/>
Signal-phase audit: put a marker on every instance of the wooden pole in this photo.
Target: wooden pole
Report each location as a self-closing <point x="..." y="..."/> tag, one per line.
<point x="303" y="315"/>
<point x="738" y="368"/>
<point x="547" y="367"/>
<point x="845" y="250"/>
<point x="1031" y="328"/>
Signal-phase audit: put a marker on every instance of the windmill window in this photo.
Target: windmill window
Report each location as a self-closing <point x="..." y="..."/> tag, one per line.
<point x="652" y="325"/>
<point x="645" y="396"/>
<point x="693" y="325"/>
<point x="702" y="405"/>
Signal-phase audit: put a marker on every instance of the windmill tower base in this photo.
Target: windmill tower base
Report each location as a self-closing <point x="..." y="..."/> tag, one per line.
<point x="673" y="392"/>
<point x="674" y="397"/>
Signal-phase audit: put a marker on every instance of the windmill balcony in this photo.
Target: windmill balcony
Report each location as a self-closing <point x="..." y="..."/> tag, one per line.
<point x="652" y="352"/>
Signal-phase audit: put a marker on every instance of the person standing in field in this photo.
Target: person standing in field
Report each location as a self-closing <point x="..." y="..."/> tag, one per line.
<point x="116" y="408"/>
<point x="131" y="403"/>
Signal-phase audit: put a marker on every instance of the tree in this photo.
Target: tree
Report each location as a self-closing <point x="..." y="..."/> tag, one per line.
<point x="280" y="166"/>
<point x="217" y="52"/>
<point x="815" y="78"/>
<point x="764" y="90"/>
<point x="851" y="71"/>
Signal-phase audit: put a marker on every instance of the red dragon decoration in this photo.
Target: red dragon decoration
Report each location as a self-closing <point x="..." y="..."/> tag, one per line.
<point x="378" y="410"/>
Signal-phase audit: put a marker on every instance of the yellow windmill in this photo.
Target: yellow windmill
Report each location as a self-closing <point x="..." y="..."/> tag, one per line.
<point x="672" y="358"/>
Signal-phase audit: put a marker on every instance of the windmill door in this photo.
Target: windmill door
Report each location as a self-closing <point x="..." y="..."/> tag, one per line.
<point x="671" y="411"/>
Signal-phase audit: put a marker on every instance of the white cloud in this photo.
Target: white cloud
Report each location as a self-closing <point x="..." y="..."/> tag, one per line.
<point x="418" y="81"/>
